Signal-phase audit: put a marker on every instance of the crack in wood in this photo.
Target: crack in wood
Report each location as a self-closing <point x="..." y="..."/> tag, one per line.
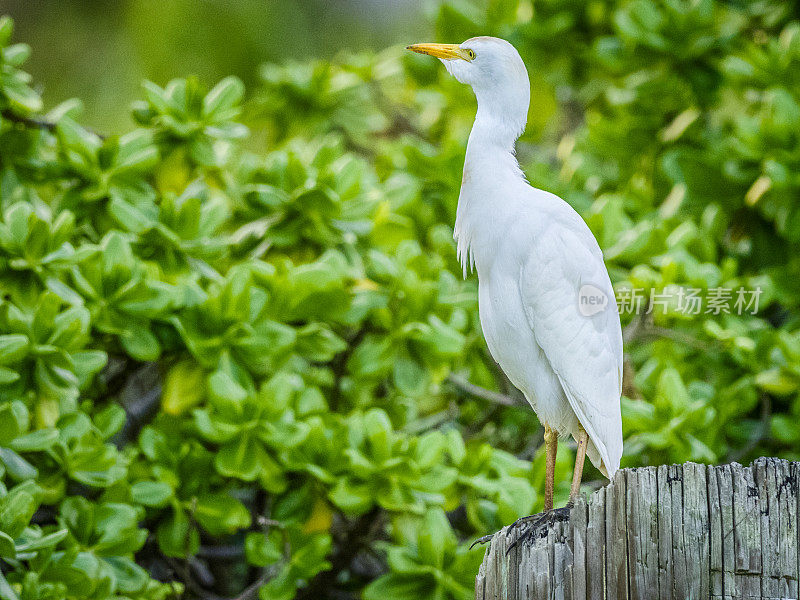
<point x="670" y="532"/>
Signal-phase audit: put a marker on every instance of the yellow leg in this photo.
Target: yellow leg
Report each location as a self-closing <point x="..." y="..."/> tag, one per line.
<point x="550" y="449"/>
<point x="580" y="456"/>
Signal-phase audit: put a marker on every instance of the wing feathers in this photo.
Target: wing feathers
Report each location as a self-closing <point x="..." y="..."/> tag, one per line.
<point x="585" y="350"/>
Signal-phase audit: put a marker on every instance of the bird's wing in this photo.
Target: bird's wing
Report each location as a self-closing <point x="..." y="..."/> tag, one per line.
<point x="584" y="350"/>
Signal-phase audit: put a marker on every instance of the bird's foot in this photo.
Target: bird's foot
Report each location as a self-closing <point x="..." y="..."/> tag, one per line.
<point x="539" y="524"/>
<point x="517" y="523"/>
<point x="482" y="540"/>
<point x="537" y="521"/>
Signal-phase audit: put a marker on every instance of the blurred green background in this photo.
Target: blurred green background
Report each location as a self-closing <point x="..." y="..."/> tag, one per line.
<point x="101" y="50"/>
<point x="236" y="348"/>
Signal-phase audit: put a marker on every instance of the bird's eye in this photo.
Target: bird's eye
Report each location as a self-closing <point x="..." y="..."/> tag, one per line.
<point x="471" y="54"/>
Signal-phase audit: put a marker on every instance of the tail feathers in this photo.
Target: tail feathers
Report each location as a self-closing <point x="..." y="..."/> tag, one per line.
<point x="596" y="457"/>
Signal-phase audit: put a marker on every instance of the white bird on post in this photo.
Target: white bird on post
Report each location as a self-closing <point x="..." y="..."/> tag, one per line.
<point x="545" y="299"/>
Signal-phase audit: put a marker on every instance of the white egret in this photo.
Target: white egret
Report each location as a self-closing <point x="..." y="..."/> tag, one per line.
<point x="545" y="299"/>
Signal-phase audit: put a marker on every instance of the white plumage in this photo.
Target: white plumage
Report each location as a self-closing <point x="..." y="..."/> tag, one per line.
<point x="534" y="255"/>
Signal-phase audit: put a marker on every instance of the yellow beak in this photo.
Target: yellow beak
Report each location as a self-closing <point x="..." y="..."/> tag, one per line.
<point x="445" y="51"/>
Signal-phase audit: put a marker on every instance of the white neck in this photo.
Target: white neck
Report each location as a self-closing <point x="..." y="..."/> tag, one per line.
<point x="490" y="169"/>
<point x="496" y="128"/>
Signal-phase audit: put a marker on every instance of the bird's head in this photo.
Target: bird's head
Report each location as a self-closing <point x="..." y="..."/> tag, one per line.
<point x="495" y="70"/>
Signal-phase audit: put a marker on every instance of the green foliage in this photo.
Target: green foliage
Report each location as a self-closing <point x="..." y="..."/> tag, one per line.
<point x="428" y="563"/>
<point x="237" y="345"/>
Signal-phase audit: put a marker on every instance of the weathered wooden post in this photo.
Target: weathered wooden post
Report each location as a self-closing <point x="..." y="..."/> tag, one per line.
<point x="670" y="532"/>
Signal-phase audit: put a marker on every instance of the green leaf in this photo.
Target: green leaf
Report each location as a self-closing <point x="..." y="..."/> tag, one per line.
<point x="372" y="357"/>
<point x="88" y="363"/>
<point x="22" y="98"/>
<point x="455" y="446"/>
<point x="151" y="493"/>
<point x="137" y="153"/>
<point x="116" y="524"/>
<point x="310" y="401"/>
<point x="6" y="591"/>
<point x="7" y="547"/>
<point x="401" y="587"/>
<point x="6" y="30"/>
<point x="784" y="429"/>
<point x="140" y="343"/>
<point x="239" y="458"/>
<point x="776" y="381"/>
<point x="282" y="586"/>
<point x="435" y="538"/>
<point x="430" y="448"/>
<point x="440" y="337"/>
<point x="352" y="498"/>
<point x="309" y="554"/>
<point x="318" y="343"/>
<point x="16" y="466"/>
<point x="77" y="138"/>
<point x="219" y="514"/>
<point x="12" y="421"/>
<point x="262" y="549"/>
<point x="17" y="54"/>
<point x="379" y="433"/>
<point x="215" y="429"/>
<point x="409" y="377"/>
<point x="129" y="217"/>
<point x="13" y="347"/>
<point x="129" y="577"/>
<point x="110" y="420"/>
<point x="225" y="95"/>
<point x="225" y="387"/>
<point x="176" y="536"/>
<point x="671" y="390"/>
<point x="270" y="474"/>
<point x="8" y="376"/>
<point x="157" y="97"/>
<point x="183" y="387"/>
<point x="46" y="541"/>
<point x="39" y="440"/>
<point x="17" y="508"/>
<point x="277" y="393"/>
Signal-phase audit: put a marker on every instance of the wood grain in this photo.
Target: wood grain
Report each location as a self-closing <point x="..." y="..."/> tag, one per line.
<point x="674" y="531"/>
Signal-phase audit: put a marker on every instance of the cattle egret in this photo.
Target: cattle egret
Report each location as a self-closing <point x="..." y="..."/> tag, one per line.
<point x="545" y="298"/>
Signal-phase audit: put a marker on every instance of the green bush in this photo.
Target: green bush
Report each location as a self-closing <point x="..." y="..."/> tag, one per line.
<point x="234" y="340"/>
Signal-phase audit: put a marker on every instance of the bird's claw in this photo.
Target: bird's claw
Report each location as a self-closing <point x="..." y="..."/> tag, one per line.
<point x="482" y="540"/>
<point x="547" y="517"/>
<point x="517" y="523"/>
<point x="541" y="523"/>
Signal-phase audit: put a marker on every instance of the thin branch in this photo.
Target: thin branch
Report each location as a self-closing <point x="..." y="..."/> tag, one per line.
<point x="264" y="523"/>
<point x="251" y="591"/>
<point x="43" y="124"/>
<point x="678" y="336"/>
<point x="433" y="421"/>
<point x="642" y="327"/>
<point x="28" y="121"/>
<point x="227" y="552"/>
<point x="480" y="392"/>
<point x="631" y="330"/>
<point x="179" y="569"/>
